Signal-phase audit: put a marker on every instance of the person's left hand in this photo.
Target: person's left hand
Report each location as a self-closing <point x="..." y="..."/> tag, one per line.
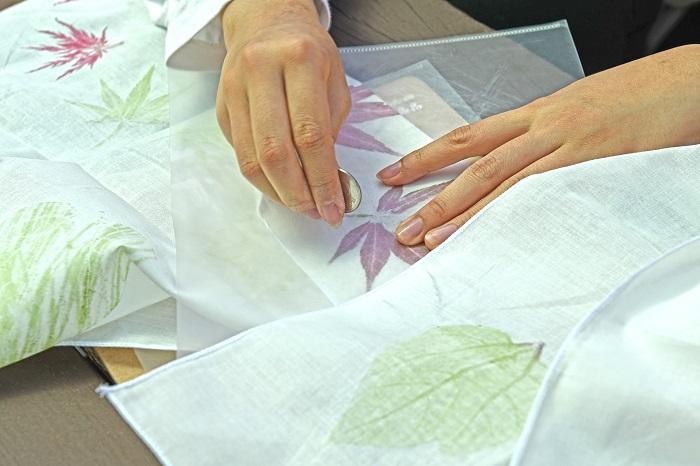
<point x="647" y="104"/>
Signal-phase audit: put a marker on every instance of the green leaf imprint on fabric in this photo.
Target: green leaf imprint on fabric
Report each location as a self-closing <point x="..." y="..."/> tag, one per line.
<point x="136" y="107"/>
<point x="469" y="388"/>
<point x="59" y="277"/>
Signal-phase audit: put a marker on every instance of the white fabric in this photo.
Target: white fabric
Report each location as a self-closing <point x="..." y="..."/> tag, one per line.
<point x="65" y="167"/>
<point x="152" y="327"/>
<point x="531" y="265"/>
<point x="626" y="386"/>
<point x="85" y="119"/>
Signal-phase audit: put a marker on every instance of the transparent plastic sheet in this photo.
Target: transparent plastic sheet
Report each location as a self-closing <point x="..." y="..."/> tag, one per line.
<point x="232" y="272"/>
<point x="415" y="91"/>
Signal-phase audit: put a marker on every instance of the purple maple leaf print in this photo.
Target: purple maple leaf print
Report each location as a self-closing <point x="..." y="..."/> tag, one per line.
<point x="395" y="202"/>
<point x="350" y="240"/>
<point x="378" y="243"/>
<point x="375" y="251"/>
<point x="77" y="47"/>
<point x="351" y="136"/>
<point x="409" y="254"/>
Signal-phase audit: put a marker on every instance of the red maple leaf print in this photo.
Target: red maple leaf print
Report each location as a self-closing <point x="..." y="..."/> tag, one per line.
<point x="77" y="48"/>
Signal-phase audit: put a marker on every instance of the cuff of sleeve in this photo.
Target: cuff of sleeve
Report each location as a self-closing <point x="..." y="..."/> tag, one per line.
<point x="324" y="13"/>
<point x="195" y="38"/>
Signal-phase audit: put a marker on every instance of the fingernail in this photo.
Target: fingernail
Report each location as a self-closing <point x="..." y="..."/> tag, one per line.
<point x="390" y="171"/>
<point x="440" y="234"/>
<point x="331" y="214"/>
<point x="313" y="213"/>
<point x="410" y="229"/>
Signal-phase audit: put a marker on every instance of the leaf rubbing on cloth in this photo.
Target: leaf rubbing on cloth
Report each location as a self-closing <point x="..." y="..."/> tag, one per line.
<point x="136" y="107"/>
<point x="466" y="387"/>
<point x="59" y="276"/>
<point x="77" y="48"/>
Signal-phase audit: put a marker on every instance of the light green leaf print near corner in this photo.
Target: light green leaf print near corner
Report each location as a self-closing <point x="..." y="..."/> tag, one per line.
<point x="59" y="277"/>
<point x="136" y="107"/>
<point x="466" y="387"/>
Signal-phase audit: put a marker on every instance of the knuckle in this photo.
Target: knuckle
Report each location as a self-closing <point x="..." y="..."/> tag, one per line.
<point x="303" y="49"/>
<point x="486" y="168"/>
<point x="298" y="204"/>
<point x="251" y="170"/>
<point x="272" y="152"/>
<point x="415" y="160"/>
<point x="467" y="215"/>
<point x="308" y="135"/>
<point x="515" y="179"/>
<point x="437" y="208"/>
<point x="461" y="136"/>
<point x="252" y="54"/>
<point x="321" y="183"/>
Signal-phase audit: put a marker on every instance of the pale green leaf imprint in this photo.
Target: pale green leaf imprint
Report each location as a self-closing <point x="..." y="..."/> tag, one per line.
<point x="59" y="277"/>
<point x="135" y="108"/>
<point x="466" y="387"/>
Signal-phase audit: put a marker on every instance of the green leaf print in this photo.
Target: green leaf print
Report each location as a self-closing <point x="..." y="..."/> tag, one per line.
<point x="135" y="108"/>
<point x="59" y="277"/>
<point x="469" y="388"/>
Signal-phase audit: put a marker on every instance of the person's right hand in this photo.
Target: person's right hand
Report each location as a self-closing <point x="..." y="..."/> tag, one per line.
<point x="281" y="101"/>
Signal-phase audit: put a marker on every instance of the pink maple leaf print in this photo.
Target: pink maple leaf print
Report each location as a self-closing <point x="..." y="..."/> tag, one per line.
<point x="77" y="47"/>
<point x="351" y="136"/>
<point x="378" y="243"/>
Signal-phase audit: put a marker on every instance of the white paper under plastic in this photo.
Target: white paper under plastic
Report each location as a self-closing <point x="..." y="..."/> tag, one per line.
<point x="532" y="264"/>
<point x="232" y="273"/>
<point x="625" y="388"/>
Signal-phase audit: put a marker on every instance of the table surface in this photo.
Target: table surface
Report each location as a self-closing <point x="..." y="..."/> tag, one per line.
<point x="49" y="412"/>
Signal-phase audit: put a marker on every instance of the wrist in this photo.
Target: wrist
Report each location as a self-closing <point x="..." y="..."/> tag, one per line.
<point x="241" y="15"/>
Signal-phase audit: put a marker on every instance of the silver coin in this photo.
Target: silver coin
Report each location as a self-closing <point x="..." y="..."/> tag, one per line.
<point x="351" y="190"/>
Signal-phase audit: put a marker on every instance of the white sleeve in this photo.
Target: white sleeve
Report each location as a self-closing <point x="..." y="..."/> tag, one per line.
<point x="195" y="39"/>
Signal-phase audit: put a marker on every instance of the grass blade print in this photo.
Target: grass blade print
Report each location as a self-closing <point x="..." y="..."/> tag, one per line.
<point x="78" y="48"/>
<point x="59" y="278"/>
<point x="465" y="387"/>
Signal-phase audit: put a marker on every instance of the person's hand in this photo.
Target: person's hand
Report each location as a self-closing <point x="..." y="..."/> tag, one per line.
<point x="647" y="104"/>
<point x="281" y="101"/>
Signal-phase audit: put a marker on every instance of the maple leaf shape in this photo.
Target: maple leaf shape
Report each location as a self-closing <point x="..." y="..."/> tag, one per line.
<point x="135" y="108"/>
<point x="78" y="47"/>
<point x="351" y="136"/>
<point x="395" y="202"/>
<point x="378" y="243"/>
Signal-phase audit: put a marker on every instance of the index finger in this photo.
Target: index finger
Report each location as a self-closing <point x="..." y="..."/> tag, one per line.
<point x="312" y="131"/>
<point x="467" y="141"/>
